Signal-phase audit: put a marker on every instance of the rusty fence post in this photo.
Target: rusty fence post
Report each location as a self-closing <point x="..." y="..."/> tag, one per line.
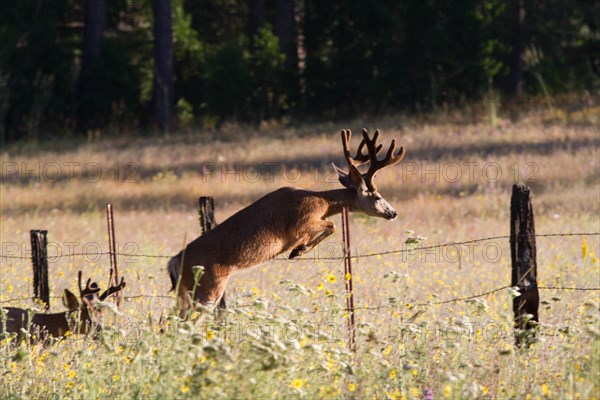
<point x="114" y="271"/>
<point x="348" y="279"/>
<point x="524" y="265"/>
<point x="39" y="259"/>
<point x="206" y="213"/>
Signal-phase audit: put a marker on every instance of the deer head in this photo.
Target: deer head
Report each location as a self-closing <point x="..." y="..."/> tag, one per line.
<point x="90" y="313"/>
<point x="80" y="317"/>
<point x="368" y="200"/>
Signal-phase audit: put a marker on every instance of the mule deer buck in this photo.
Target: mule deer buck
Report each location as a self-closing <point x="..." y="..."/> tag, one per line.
<point x="80" y="318"/>
<point x="288" y="219"/>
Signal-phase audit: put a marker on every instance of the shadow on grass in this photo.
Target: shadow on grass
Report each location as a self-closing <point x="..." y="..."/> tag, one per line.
<point x="306" y="164"/>
<point x="181" y="201"/>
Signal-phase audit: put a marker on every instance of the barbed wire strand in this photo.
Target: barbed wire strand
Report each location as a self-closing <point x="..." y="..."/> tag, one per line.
<point x="412" y="249"/>
<point x="360" y="307"/>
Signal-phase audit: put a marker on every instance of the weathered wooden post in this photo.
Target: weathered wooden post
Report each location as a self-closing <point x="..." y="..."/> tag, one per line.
<point x="524" y="265"/>
<point x="348" y="279"/>
<point x="114" y="272"/>
<point x="206" y="211"/>
<point x="39" y="259"/>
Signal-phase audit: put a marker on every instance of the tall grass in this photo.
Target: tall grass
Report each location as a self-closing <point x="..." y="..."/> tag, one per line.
<point x="284" y="334"/>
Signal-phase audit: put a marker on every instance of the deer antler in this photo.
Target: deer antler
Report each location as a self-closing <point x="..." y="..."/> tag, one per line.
<point x="376" y="164"/>
<point x="89" y="288"/>
<point x="359" y="158"/>
<point x="113" y="289"/>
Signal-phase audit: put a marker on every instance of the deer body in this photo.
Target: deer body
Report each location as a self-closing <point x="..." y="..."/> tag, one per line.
<point x="46" y="325"/>
<point x="242" y="241"/>
<point x="80" y="318"/>
<point x="288" y="219"/>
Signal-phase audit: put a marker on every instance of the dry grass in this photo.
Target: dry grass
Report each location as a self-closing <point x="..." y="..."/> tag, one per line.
<point x="156" y="210"/>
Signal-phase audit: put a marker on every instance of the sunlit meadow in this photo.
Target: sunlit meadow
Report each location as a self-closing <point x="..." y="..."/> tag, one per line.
<point x="285" y="332"/>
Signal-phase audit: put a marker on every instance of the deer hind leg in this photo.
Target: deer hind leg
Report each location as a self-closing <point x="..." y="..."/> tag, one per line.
<point x="318" y="232"/>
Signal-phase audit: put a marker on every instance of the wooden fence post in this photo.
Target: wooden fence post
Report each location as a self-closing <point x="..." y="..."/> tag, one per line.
<point x="524" y="265"/>
<point x="39" y="259"/>
<point x="206" y="211"/>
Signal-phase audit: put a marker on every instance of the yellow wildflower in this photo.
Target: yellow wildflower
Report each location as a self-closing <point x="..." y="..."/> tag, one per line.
<point x="447" y="391"/>
<point x="297" y="383"/>
<point x="546" y="390"/>
<point x="387" y="351"/>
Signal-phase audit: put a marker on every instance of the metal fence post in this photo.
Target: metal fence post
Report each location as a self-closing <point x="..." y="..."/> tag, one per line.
<point x="348" y="279"/>
<point x="114" y="271"/>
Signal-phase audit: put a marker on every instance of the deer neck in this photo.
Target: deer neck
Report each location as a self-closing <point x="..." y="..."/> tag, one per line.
<point x="337" y="199"/>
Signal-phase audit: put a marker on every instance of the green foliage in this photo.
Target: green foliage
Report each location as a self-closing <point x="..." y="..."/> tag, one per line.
<point x="116" y="94"/>
<point x="357" y="58"/>
<point x="191" y="67"/>
<point x="228" y="88"/>
<point x="267" y="63"/>
<point x="37" y="65"/>
<point x="184" y="112"/>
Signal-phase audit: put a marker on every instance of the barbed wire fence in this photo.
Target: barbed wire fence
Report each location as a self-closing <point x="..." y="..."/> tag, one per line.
<point x="409" y="249"/>
<point x="454" y="300"/>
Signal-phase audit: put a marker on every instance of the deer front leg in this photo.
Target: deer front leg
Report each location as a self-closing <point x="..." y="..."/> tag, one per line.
<point x="319" y="231"/>
<point x="212" y="286"/>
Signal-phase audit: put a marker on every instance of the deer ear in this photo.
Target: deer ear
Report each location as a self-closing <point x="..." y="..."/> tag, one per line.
<point x="70" y="300"/>
<point x="356" y="179"/>
<point x="352" y="180"/>
<point x="342" y="177"/>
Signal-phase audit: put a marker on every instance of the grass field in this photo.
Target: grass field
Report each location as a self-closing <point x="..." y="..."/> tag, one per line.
<point x="285" y="334"/>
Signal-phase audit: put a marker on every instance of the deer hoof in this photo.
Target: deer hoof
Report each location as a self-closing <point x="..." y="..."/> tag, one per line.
<point x="298" y="251"/>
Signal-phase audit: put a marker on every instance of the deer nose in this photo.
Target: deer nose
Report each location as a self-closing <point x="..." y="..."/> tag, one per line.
<point x="392" y="214"/>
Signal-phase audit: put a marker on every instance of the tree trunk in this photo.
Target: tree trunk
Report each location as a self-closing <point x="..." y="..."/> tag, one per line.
<point x="285" y="26"/>
<point x="285" y="29"/>
<point x="516" y="63"/>
<point x="94" y="26"/>
<point x="257" y="17"/>
<point x="162" y="91"/>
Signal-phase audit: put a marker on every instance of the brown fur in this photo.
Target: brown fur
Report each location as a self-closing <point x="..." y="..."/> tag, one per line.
<point x="288" y="219"/>
<point x="80" y="318"/>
